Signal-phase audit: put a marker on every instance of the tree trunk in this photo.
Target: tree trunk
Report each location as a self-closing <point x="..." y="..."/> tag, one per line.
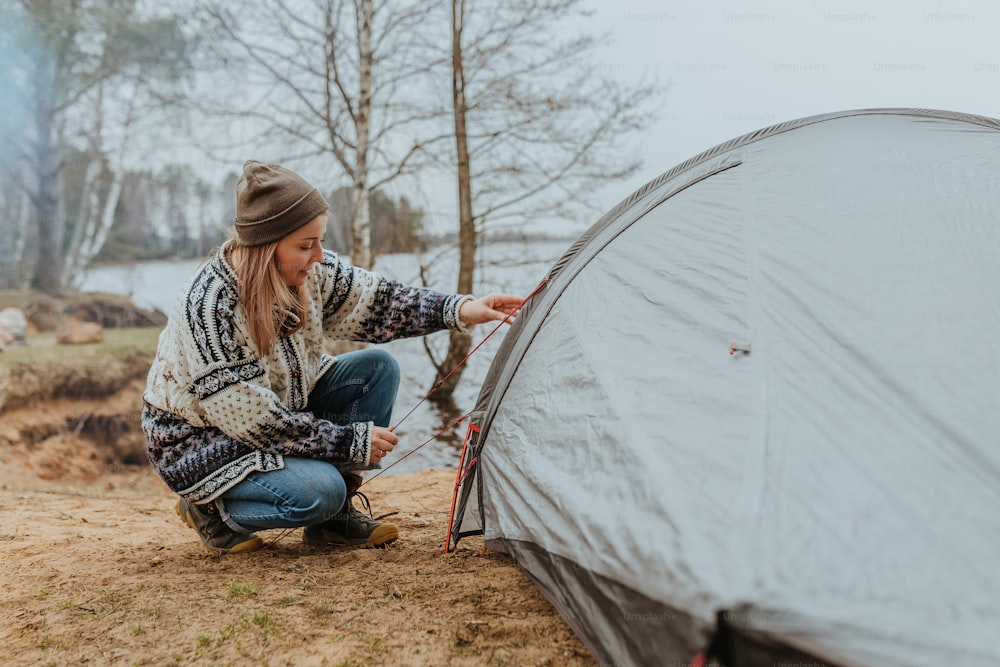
<point x="47" y="275"/>
<point x="361" y="243"/>
<point x="85" y="218"/>
<point x="96" y="219"/>
<point x="15" y="231"/>
<point x="96" y="240"/>
<point x="459" y="343"/>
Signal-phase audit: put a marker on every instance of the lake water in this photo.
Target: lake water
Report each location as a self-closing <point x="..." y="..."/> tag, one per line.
<point x="503" y="267"/>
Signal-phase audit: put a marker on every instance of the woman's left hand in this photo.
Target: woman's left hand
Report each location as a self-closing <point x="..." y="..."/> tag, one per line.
<point x="489" y="307"/>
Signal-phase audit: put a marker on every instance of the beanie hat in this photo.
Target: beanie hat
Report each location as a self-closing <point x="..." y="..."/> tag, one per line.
<point x="271" y="202"/>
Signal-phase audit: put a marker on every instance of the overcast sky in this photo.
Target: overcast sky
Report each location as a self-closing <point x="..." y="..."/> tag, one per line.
<point x="735" y="67"/>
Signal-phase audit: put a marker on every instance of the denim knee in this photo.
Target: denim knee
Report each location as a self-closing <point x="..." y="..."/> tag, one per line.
<point x="385" y="366"/>
<point x="361" y="386"/>
<point x="321" y="502"/>
<point x="304" y="492"/>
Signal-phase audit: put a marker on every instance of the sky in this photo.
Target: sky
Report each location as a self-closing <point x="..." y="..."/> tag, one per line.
<point x="732" y="68"/>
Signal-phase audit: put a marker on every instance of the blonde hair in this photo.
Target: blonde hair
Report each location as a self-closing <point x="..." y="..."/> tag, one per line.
<point x="273" y="308"/>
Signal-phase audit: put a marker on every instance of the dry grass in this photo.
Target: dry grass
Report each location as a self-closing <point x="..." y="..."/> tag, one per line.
<point x="43" y="370"/>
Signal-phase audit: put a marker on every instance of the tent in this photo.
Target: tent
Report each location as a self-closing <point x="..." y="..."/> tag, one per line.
<point x="752" y="416"/>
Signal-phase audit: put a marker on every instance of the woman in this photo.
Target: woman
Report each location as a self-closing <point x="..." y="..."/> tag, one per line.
<point x="245" y="417"/>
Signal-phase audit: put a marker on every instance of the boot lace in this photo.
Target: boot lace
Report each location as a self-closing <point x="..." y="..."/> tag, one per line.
<point x="351" y="509"/>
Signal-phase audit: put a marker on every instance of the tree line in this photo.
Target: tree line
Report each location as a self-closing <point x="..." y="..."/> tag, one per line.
<point x="171" y="213"/>
<point x="501" y="98"/>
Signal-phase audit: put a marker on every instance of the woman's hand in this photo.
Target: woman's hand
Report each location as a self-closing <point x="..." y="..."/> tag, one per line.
<point x="489" y="307"/>
<point x="383" y="441"/>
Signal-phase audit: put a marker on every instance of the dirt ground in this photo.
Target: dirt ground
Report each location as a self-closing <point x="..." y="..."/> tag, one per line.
<point x="97" y="569"/>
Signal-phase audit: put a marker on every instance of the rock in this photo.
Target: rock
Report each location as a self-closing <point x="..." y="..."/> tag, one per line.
<point x="13" y="327"/>
<point x="75" y="332"/>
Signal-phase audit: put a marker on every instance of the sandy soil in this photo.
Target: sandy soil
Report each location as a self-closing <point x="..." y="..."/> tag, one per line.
<point x="97" y="569"/>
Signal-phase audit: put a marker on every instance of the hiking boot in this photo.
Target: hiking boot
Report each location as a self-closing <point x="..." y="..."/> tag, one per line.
<point x="218" y="538"/>
<point x="350" y="527"/>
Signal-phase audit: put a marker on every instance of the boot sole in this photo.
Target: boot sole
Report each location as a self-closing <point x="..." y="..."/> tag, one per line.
<point x="243" y="547"/>
<point x="379" y="537"/>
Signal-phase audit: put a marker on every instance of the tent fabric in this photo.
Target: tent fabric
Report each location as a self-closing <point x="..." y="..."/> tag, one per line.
<point x="767" y="381"/>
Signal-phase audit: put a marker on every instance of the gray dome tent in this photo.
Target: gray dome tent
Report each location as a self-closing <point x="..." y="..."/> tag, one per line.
<point x="754" y="411"/>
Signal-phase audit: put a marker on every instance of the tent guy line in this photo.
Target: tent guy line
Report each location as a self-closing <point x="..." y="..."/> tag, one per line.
<point x="438" y="385"/>
<point x="440" y="382"/>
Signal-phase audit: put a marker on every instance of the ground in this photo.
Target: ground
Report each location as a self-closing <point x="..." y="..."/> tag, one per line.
<point x="106" y="574"/>
<point x="97" y="569"/>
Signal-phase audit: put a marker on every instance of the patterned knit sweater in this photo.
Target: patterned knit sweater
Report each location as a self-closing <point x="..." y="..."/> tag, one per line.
<point x="215" y="409"/>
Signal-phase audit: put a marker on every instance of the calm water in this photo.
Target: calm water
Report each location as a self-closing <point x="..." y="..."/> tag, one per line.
<point x="508" y="267"/>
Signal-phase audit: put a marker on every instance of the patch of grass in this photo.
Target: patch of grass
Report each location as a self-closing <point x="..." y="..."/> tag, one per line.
<point x="227" y="632"/>
<point x="115" y="601"/>
<point x="393" y="593"/>
<point x="241" y="591"/>
<point x="44" y="370"/>
<point x="264" y="622"/>
<point x="42" y="347"/>
<point x="51" y="645"/>
<point x="375" y="643"/>
<point x="501" y="659"/>
<point x="149" y="613"/>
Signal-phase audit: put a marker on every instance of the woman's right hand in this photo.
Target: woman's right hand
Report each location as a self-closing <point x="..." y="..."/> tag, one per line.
<point x="383" y="441"/>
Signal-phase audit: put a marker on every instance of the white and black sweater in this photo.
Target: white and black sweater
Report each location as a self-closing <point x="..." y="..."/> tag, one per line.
<point x="215" y="410"/>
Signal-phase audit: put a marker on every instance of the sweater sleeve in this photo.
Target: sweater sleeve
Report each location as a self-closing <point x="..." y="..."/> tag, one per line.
<point x="248" y="411"/>
<point x="364" y="306"/>
<point x="229" y="383"/>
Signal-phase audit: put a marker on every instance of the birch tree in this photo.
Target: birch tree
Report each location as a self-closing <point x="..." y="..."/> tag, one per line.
<point x="331" y="79"/>
<point x="538" y="126"/>
<point x="139" y="60"/>
<point x="71" y="56"/>
<point x="14" y="202"/>
<point x="96" y="213"/>
<point x="49" y="75"/>
<point x="14" y="231"/>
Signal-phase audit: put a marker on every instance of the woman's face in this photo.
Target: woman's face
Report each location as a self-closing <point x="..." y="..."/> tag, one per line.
<point x="297" y="252"/>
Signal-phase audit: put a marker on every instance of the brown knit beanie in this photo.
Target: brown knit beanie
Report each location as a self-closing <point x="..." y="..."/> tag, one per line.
<point x="271" y="202"/>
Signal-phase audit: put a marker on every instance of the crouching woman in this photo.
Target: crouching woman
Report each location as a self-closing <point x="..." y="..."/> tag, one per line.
<point x="246" y="418"/>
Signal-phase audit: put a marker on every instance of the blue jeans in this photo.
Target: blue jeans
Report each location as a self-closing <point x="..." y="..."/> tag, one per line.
<point x="361" y="386"/>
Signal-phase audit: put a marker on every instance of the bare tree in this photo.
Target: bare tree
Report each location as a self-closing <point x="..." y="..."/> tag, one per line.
<point x="333" y="78"/>
<point x="139" y="59"/>
<point x="96" y="213"/>
<point x="70" y="54"/>
<point x="52" y="63"/>
<point x="538" y="128"/>
<point x="459" y="343"/>
<point x="14" y="232"/>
